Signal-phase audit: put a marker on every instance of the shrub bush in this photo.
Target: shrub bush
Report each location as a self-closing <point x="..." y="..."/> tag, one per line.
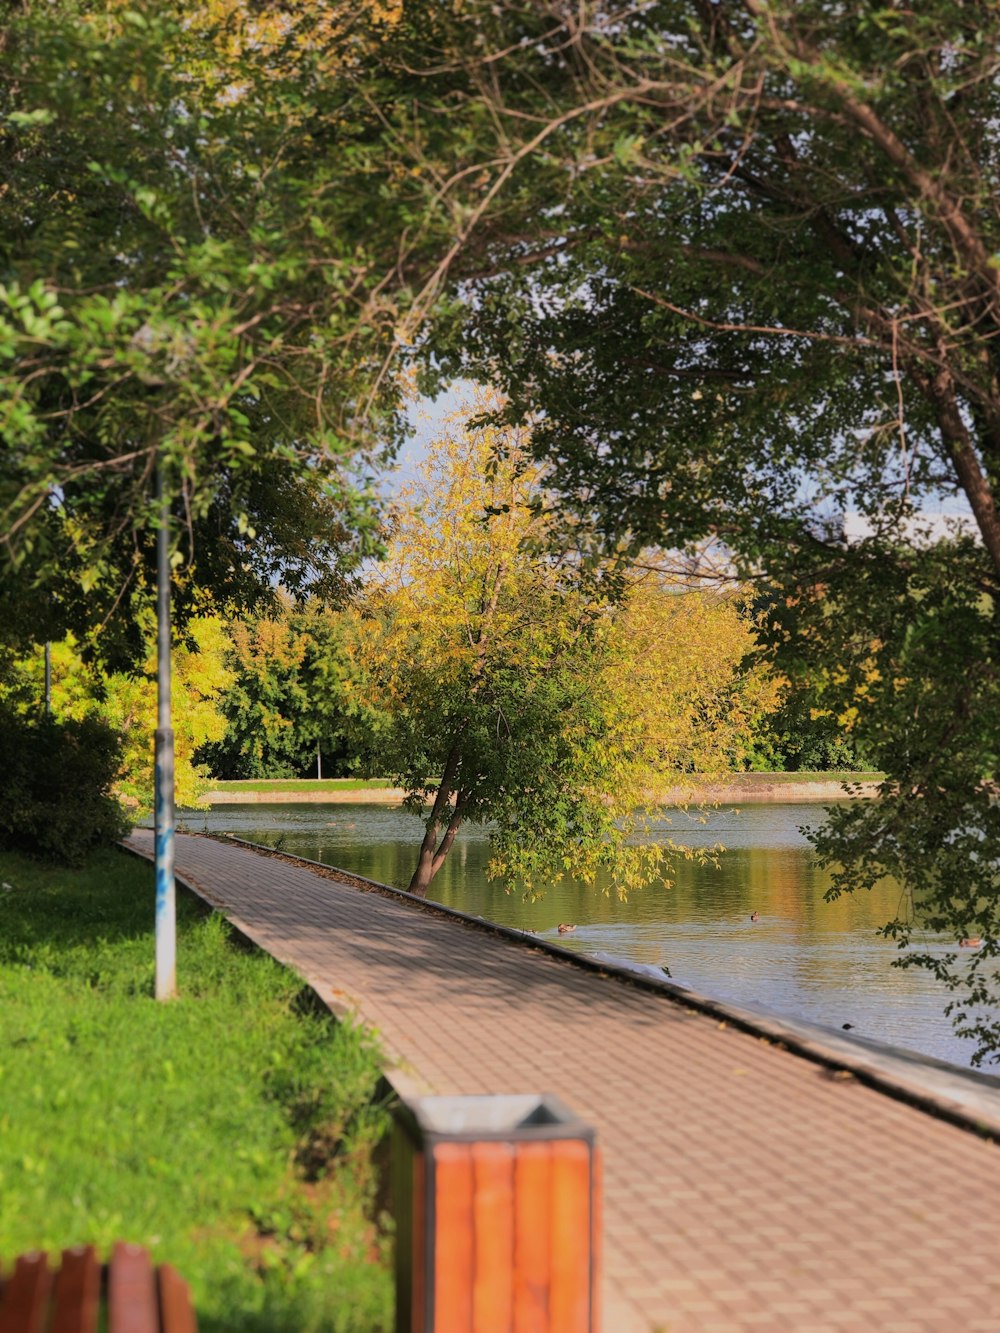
<point x="55" y="787"/>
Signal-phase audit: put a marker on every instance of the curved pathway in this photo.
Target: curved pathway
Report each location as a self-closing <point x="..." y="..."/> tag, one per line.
<point x="745" y="1187"/>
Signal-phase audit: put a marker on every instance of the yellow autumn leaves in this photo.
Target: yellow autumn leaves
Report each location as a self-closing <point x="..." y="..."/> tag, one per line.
<point x="555" y="693"/>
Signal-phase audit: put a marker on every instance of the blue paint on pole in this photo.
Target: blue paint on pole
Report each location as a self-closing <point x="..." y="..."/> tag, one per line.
<point x="166" y="913"/>
<point x="166" y="922"/>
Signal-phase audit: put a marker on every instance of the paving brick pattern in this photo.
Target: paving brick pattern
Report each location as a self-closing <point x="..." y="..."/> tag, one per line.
<point x="746" y="1187"/>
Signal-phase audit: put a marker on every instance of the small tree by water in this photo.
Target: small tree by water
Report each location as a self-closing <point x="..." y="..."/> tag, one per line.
<point x="505" y="681"/>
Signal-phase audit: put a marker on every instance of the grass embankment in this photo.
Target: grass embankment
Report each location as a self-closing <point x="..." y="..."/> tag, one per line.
<point x="303" y="784"/>
<point x="381" y="784"/>
<point x="232" y="1131"/>
<point x="810" y="775"/>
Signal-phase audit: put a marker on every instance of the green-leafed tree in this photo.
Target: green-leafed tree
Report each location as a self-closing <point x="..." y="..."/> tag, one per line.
<point x="800" y="737"/>
<point x="738" y="259"/>
<point x="124" y="704"/>
<point x="183" y="282"/>
<point x="548" y="697"/>
<point x="184" y="288"/>
<point x="280" y="704"/>
<point x="741" y="260"/>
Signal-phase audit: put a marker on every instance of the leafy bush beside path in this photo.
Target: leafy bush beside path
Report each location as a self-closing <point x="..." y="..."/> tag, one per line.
<point x="55" y="787"/>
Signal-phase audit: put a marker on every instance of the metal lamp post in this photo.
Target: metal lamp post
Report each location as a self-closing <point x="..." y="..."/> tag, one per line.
<point x="166" y="915"/>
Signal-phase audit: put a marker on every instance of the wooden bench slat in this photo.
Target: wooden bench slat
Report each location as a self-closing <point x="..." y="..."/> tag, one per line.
<point x="25" y="1299"/>
<point x="176" y="1312"/>
<point x="132" y="1303"/>
<point x="138" y="1298"/>
<point x="77" y="1298"/>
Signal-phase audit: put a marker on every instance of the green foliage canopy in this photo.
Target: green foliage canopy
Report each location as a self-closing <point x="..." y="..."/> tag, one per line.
<point x="182" y="266"/>
<point x="125" y="703"/>
<point x="741" y="260"/>
<point x="282" y="696"/>
<point x="56" y="799"/>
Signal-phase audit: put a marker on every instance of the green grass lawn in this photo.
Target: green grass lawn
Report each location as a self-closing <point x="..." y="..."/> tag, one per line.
<point x="358" y="784"/>
<point x="232" y="1131"/>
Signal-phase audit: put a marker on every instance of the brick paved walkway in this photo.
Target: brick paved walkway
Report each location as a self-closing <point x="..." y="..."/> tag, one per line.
<point x="745" y="1187"/>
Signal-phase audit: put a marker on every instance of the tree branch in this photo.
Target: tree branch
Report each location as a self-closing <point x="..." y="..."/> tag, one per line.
<point x="776" y="330"/>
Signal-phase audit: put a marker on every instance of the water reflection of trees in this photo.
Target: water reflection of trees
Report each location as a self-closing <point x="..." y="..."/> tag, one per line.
<point x="804" y="957"/>
<point x="827" y="945"/>
<point x="781" y="883"/>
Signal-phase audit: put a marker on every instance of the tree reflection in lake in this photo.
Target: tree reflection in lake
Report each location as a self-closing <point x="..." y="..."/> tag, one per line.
<point x="806" y="958"/>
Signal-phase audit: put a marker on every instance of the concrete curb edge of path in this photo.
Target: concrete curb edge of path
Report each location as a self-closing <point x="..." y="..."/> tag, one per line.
<point x="814" y="1046"/>
<point x="811" y="1047"/>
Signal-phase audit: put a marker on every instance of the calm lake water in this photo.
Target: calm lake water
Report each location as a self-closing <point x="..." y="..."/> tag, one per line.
<point x="805" y="958"/>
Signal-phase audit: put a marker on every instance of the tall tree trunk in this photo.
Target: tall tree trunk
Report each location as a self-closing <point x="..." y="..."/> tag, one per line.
<point x="432" y="857"/>
<point x="433" y="851"/>
<point x="968" y="470"/>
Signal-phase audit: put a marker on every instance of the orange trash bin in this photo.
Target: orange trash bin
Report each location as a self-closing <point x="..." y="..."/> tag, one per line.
<point x="497" y="1204"/>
